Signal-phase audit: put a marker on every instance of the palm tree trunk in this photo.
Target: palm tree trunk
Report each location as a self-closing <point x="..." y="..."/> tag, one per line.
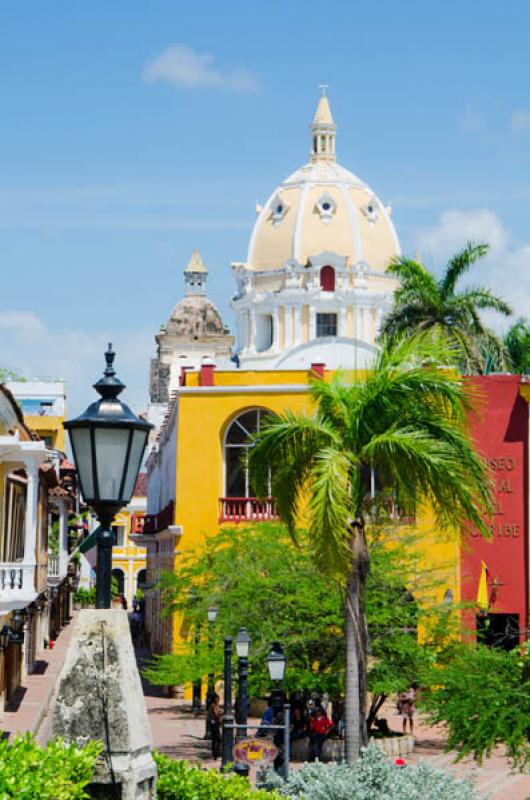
<point x="355" y="733"/>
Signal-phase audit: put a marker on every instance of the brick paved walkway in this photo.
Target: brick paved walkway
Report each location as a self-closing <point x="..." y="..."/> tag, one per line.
<point x="28" y="706"/>
<point x="179" y="733"/>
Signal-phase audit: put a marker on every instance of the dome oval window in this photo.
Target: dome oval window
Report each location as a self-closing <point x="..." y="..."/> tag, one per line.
<point x="327" y="279"/>
<point x="326" y="206"/>
<point x="279" y="209"/>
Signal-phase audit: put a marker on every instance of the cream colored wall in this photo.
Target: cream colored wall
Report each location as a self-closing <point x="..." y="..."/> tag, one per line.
<point x="317" y="236"/>
<point x="273" y="242"/>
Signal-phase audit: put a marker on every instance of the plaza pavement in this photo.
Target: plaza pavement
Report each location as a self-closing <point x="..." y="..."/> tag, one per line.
<point x="179" y="733"/>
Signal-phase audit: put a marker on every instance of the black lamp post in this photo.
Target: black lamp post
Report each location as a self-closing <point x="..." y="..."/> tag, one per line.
<point x="212" y="616"/>
<point x="242" y="649"/>
<point x="108" y="443"/>
<point x="228" y="733"/>
<point x="276" y="666"/>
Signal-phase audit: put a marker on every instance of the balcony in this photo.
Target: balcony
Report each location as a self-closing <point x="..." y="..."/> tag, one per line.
<point x="247" y="509"/>
<point x="53" y="566"/>
<point x="152" y="523"/>
<point x="17" y="581"/>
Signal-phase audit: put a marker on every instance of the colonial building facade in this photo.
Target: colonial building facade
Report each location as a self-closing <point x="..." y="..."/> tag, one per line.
<point x="310" y="298"/>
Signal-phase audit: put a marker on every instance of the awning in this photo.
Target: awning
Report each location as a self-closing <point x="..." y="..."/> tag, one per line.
<point x="90" y="541"/>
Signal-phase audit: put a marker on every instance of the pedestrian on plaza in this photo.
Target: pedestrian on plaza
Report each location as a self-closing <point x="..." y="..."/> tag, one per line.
<point x="319" y="727"/>
<point x="215" y="718"/>
<point x="135" y="603"/>
<point x="407" y="702"/>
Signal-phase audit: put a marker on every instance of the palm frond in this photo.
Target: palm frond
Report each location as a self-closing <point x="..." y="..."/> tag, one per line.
<point x="459" y="264"/>
<point x="330" y="508"/>
<point x="484" y="299"/>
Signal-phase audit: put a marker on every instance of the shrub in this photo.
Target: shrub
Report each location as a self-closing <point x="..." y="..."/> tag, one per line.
<point x="372" y="777"/>
<point x="55" y="772"/>
<point x="180" y="780"/>
<point x="85" y="597"/>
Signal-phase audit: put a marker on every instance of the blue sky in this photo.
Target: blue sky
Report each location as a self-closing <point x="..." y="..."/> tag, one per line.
<point x="134" y="132"/>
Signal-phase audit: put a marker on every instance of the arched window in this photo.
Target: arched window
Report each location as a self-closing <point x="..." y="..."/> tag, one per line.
<point x="141" y="578"/>
<point x="327" y="279"/>
<point x="238" y="480"/>
<point x="119" y="578"/>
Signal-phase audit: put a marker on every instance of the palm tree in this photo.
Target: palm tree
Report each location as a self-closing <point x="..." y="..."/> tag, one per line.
<point x="424" y="303"/>
<point x="406" y="419"/>
<point x="517" y="344"/>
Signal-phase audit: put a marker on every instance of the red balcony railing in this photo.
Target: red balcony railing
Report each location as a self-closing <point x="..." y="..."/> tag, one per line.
<point x="247" y="509"/>
<point x="152" y="523"/>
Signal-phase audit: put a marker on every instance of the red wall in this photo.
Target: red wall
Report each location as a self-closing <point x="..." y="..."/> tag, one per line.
<point x="500" y="429"/>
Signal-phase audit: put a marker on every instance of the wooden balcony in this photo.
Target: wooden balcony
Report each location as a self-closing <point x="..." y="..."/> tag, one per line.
<point x="247" y="509"/>
<point x="152" y="523"/>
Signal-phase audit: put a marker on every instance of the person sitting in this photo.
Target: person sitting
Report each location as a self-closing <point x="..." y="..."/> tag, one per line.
<point x="266" y="720"/>
<point x="299" y="727"/>
<point x="319" y="727"/>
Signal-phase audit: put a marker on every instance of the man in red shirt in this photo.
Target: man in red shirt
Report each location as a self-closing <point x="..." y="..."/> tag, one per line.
<point x="319" y="728"/>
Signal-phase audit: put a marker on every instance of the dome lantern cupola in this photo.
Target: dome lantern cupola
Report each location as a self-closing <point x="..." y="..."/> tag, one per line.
<point x="195" y="275"/>
<point x="323" y="130"/>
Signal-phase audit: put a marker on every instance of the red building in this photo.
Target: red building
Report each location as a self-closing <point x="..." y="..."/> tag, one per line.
<point x="500" y="428"/>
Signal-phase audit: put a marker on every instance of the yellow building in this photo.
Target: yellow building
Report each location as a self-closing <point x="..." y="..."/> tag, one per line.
<point x="128" y="557"/>
<point x="206" y="433"/>
<point x="43" y="404"/>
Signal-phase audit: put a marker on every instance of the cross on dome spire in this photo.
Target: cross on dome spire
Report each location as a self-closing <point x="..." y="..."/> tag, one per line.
<point x="323" y="129"/>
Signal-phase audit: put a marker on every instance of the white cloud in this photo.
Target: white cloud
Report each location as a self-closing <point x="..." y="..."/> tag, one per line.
<point x="183" y="67"/>
<point x="521" y="120"/>
<point x="506" y="269"/>
<point x="31" y="349"/>
<point x="457" y="227"/>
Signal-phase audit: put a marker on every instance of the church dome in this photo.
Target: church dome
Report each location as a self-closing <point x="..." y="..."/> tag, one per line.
<point x="193" y="317"/>
<point x="322" y="207"/>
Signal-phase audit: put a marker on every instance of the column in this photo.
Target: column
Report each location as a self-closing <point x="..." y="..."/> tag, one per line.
<point x="297" y="325"/>
<point x="63" y="538"/>
<point x="341" y="327"/>
<point x="275" y="330"/>
<point x="32" y="500"/>
<point x="288" y="326"/>
<point x="252" y="331"/>
<point x="312" y="323"/>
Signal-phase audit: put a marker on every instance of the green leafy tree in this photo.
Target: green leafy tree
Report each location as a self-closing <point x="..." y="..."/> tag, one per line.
<point x="482" y="696"/>
<point x="9" y="375"/>
<point x="517" y="344"/>
<point x="424" y="303"/>
<point x="260" y="579"/>
<point x="406" y="419"/>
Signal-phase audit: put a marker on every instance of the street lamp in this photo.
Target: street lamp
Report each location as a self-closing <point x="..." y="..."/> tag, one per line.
<point x="212" y="616"/>
<point x="276" y="667"/>
<point x="108" y="443"/>
<point x="276" y="663"/>
<point x="242" y="649"/>
<point x="243" y="643"/>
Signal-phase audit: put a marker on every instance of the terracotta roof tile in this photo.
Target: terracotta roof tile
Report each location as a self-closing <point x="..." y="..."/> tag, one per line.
<point x="140" y="487"/>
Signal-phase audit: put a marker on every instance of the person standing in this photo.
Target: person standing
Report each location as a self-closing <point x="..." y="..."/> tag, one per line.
<point x="319" y="728"/>
<point x="215" y="718"/>
<point x="408" y="707"/>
